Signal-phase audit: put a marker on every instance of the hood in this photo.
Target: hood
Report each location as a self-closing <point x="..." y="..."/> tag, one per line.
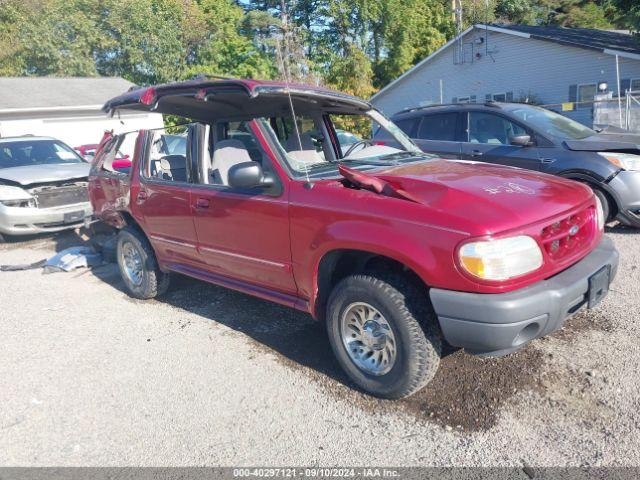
<point x="480" y="197"/>
<point x="606" y="142"/>
<point x="45" y="173"/>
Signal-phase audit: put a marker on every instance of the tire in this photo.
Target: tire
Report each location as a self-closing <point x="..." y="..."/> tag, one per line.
<point x="151" y="281"/>
<point x="605" y="201"/>
<point x="413" y="325"/>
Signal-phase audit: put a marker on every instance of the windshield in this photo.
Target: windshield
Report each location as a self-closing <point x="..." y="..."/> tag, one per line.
<point x="317" y="141"/>
<point x="23" y="153"/>
<point x="552" y="123"/>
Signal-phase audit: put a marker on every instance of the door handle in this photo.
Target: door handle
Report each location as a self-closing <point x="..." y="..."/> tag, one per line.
<point x="141" y="197"/>
<point x="547" y="160"/>
<point x="202" y="203"/>
<point x="476" y="153"/>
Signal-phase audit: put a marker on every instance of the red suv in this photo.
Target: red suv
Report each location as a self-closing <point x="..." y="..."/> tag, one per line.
<point x="395" y="250"/>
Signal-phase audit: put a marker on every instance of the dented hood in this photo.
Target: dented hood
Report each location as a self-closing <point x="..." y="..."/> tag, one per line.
<point x="476" y="192"/>
<point x="44" y="173"/>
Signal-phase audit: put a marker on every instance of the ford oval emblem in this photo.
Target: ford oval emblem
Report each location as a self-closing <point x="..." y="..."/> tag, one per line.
<point x="573" y="230"/>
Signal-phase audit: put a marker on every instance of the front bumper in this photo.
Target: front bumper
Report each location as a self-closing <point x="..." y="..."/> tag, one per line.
<point x="497" y="324"/>
<point x="625" y="187"/>
<point x="24" y="221"/>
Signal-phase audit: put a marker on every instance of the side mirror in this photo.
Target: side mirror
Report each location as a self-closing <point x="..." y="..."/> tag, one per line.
<point x="249" y="175"/>
<point x="521" y="140"/>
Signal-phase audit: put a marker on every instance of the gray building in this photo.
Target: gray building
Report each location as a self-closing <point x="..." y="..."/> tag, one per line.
<point x="544" y="65"/>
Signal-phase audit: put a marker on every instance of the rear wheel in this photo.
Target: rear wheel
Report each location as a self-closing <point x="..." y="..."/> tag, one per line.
<point x="383" y="334"/>
<point x="138" y="265"/>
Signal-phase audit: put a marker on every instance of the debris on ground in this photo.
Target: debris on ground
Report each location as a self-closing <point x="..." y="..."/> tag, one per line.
<point x="72" y="258"/>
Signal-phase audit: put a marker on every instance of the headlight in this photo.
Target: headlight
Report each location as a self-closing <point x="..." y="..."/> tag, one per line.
<point x="501" y="259"/>
<point x="15" y="197"/>
<point x="599" y="214"/>
<point x="627" y="161"/>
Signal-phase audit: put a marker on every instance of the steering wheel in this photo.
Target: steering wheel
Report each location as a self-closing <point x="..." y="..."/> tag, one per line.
<point x="353" y="147"/>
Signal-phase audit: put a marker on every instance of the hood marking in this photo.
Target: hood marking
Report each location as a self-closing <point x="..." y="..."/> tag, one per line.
<point x="509" y="188"/>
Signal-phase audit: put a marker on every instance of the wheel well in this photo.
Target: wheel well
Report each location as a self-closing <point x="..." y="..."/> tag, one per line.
<point x="595" y="185"/>
<point x="338" y="264"/>
<point x="129" y="221"/>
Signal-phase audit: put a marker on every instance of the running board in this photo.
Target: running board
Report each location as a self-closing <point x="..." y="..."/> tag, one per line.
<point x="278" y="297"/>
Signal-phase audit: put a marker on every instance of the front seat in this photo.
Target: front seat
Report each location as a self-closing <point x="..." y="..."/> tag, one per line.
<point x="306" y="140"/>
<point x="226" y="154"/>
<point x="174" y="167"/>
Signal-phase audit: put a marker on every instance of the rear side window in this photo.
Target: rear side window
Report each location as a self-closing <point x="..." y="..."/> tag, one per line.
<point x="407" y="125"/>
<point x="441" y="126"/>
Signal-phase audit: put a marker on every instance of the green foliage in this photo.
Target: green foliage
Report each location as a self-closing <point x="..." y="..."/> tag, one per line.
<point x="355" y="46"/>
<point x="515" y="11"/>
<point x="145" y="41"/>
<point x="629" y="13"/>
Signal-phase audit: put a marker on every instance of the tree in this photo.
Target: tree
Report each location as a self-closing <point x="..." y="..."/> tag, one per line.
<point x="515" y="11"/>
<point x="146" y="41"/>
<point x="629" y="13"/>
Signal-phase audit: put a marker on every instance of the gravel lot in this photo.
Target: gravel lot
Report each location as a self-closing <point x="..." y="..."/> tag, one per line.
<point x="208" y="376"/>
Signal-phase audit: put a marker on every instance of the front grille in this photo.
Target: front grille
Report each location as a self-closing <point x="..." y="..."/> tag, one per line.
<point x="47" y="197"/>
<point x="568" y="236"/>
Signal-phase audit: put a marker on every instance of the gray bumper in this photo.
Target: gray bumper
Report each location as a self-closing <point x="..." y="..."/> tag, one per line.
<point x="22" y="221"/>
<point x="625" y="187"/>
<point x="497" y="324"/>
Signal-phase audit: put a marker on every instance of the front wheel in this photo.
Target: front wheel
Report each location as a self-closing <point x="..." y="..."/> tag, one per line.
<point x="383" y="334"/>
<point x="138" y="265"/>
<point x="605" y="201"/>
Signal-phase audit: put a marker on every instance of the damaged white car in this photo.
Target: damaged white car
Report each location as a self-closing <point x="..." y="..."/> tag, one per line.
<point x="43" y="186"/>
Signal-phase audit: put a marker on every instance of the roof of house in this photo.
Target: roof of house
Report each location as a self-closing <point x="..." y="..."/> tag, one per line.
<point x="581" y="37"/>
<point x="33" y="93"/>
<point x="609" y="42"/>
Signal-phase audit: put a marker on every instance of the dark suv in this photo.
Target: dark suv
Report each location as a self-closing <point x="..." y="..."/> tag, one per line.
<point x="537" y="139"/>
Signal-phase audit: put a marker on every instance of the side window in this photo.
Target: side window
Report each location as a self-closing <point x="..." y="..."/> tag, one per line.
<point x="167" y="158"/>
<point x="492" y="129"/>
<point x="407" y="125"/>
<point x="233" y="143"/>
<point x="440" y="126"/>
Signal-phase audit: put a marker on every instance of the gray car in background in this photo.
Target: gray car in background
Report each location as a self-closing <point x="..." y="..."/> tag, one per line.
<point x="534" y="138"/>
<point x="43" y="186"/>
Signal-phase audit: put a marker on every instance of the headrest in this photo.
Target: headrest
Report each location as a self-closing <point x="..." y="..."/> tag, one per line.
<point x="173" y="162"/>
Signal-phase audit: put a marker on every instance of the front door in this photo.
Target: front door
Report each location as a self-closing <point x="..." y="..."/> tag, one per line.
<point x="242" y="235"/>
<point x="487" y="140"/>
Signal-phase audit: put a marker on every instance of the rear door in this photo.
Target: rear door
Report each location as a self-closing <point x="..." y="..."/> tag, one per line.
<point x="164" y="202"/>
<point x="486" y="139"/>
<point x="108" y="186"/>
<point x="437" y="133"/>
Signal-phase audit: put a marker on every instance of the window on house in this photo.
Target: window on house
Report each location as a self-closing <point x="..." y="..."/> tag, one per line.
<point x="586" y="93"/>
<point x="499" y="97"/>
<point x="635" y="85"/>
<point x="461" y="100"/>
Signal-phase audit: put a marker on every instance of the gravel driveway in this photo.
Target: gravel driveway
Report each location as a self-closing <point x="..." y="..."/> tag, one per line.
<point x="207" y="376"/>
